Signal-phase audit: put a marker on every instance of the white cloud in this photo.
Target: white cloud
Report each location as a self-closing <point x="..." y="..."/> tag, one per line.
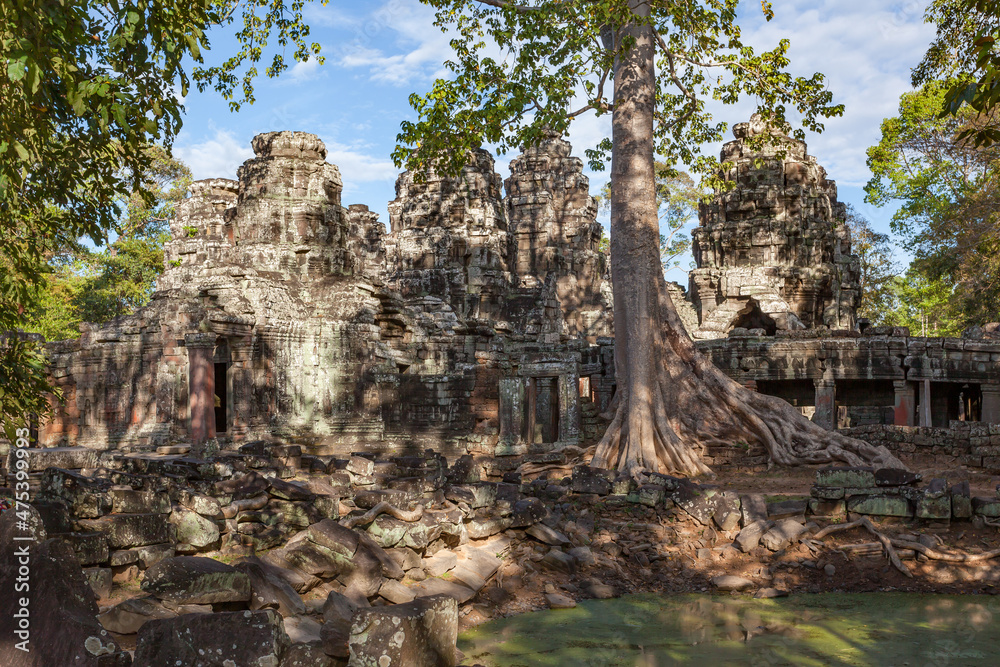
<point x="358" y="167"/>
<point x="217" y="157"/>
<point x="866" y="53"/>
<point x="417" y="49"/>
<point x="304" y="71"/>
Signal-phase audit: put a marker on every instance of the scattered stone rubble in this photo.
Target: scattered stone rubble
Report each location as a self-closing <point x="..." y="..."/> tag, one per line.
<point x="312" y="559"/>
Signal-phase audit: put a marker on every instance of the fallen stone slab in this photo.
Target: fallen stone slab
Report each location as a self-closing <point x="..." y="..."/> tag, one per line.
<point x="749" y="537"/>
<point x="592" y="480"/>
<point x="434" y="586"/>
<point x="204" y="505"/>
<point x="880" y="505"/>
<point x="558" y="559"/>
<point x="63" y="615"/>
<point x="753" y="507"/>
<point x="124" y="531"/>
<point x="787" y="509"/>
<point x="289" y="490"/>
<point x="782" y="534"/>
<point x="559" y="601"/>
<point x="422" y="633"/>
<point x="298" y="580"/>
<point x="126" y="500"/>
<point x="330" y="534"/>
<point x="528" y="511"/>
<point x="190" y="579"/>
<point x="896" y="477"/>
<point x="90" y="548"/>
<point x="69" y="458"/>
<point x="338" y="613"/>
<point x="194" y="529"/>
<point x="302" y="629"/>
<point x="843" y="476"/>
<point x="315" y="559"/>
<point x="308" y="655"/>
<point x="99" y="580"/>
<point x="243" y="638"/>
<point x="268" y="589"/>
<point x="549" y="536"/>
<point x="440" y="562"/>
<point x="730" y="582"/>
<point x="127" y="617"/>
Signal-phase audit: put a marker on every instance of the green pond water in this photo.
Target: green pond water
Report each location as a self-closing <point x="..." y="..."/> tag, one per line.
<point x="881" y="629"/>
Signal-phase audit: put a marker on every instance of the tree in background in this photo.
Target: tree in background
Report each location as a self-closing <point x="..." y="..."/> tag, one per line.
<point x="948" y="191"/>
<point x="653" y="67"/>
<point x="923" y="304"/>
<point x="677" y="197"/>
<point x="87" y="285"/>
<point x="878" y="269"/>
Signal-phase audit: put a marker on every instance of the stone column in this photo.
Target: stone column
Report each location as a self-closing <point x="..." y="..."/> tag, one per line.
<point x="201" y="386"/>
<point x="925" y="403"/>
<point x="905" y="403"/>
<point x="991" y="403"/>
<point x="826" y="403"/>
<point x="512" y="416"/>
<point x="531" y="409"/>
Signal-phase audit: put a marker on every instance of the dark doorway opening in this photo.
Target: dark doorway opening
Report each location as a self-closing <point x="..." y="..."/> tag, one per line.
<point x="221" y="398"/>
<point x="753" y="318"/>
<point x="220" y="365"/>
<point x="547" y="409"/>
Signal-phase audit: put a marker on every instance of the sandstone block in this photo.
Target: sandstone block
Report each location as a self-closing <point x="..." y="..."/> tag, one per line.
<point x="422" y="633"/>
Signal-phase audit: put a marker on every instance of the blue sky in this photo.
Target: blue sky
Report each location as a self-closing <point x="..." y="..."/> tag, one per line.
<point x="378" y="52"/>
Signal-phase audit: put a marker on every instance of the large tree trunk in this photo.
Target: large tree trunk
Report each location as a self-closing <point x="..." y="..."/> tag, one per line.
<point x="671" y="401"/>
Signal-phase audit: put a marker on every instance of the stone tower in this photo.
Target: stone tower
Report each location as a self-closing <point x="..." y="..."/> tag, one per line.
<point x="449" y="238"/>
<point x="773" y="252"/>
<point x="554" y="222"/>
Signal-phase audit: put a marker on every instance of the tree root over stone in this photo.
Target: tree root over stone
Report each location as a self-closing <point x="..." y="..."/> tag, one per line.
<point x="383" y="508"/>
<point x="889" y="545"/>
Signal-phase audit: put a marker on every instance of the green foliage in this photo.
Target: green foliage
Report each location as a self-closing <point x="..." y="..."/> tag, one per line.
<point x="948" y="192"/>
<point x="84" y="87"/>
<point x="878" y="269"/>
<point x="677" y="198"/>
<point x="23" y="382"/>
<point x="965" y="52"/>
<point x="97" y="286"/>
<point x="924" y="305"/>
<point x="519" y="70"/>
<point x="261" y="20"/>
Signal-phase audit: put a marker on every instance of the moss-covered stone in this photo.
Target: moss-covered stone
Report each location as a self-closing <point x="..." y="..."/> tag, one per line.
<point x="880" y="506"/>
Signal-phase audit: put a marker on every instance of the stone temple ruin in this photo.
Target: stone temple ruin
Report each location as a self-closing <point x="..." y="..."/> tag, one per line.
<point x="481" y="321"/>
<point x="395" y="408"/>
<point x="281" y="312"/>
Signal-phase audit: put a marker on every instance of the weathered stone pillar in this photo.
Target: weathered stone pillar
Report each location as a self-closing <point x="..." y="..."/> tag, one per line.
<point x="925" y="403"/>
<point x="991" y="403"/>
<point x="905" y="403"/>
<point x="201" y="386"/>
<point x="826" y="403"/>
<point x="531" y="409"/>
<point x="512" y="399"/>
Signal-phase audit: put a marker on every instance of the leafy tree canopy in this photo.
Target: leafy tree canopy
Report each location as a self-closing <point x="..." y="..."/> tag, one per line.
<point x="878" y="269"/>
<point x="966" y="52"/>
<point x="948" y="193"/>
<point x="522" y="69"/>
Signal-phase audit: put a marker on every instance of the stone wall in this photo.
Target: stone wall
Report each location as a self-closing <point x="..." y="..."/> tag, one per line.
<point x="963" y="444"/>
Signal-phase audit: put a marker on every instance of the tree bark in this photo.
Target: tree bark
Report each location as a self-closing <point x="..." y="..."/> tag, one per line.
<point x="670" y="401"/>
